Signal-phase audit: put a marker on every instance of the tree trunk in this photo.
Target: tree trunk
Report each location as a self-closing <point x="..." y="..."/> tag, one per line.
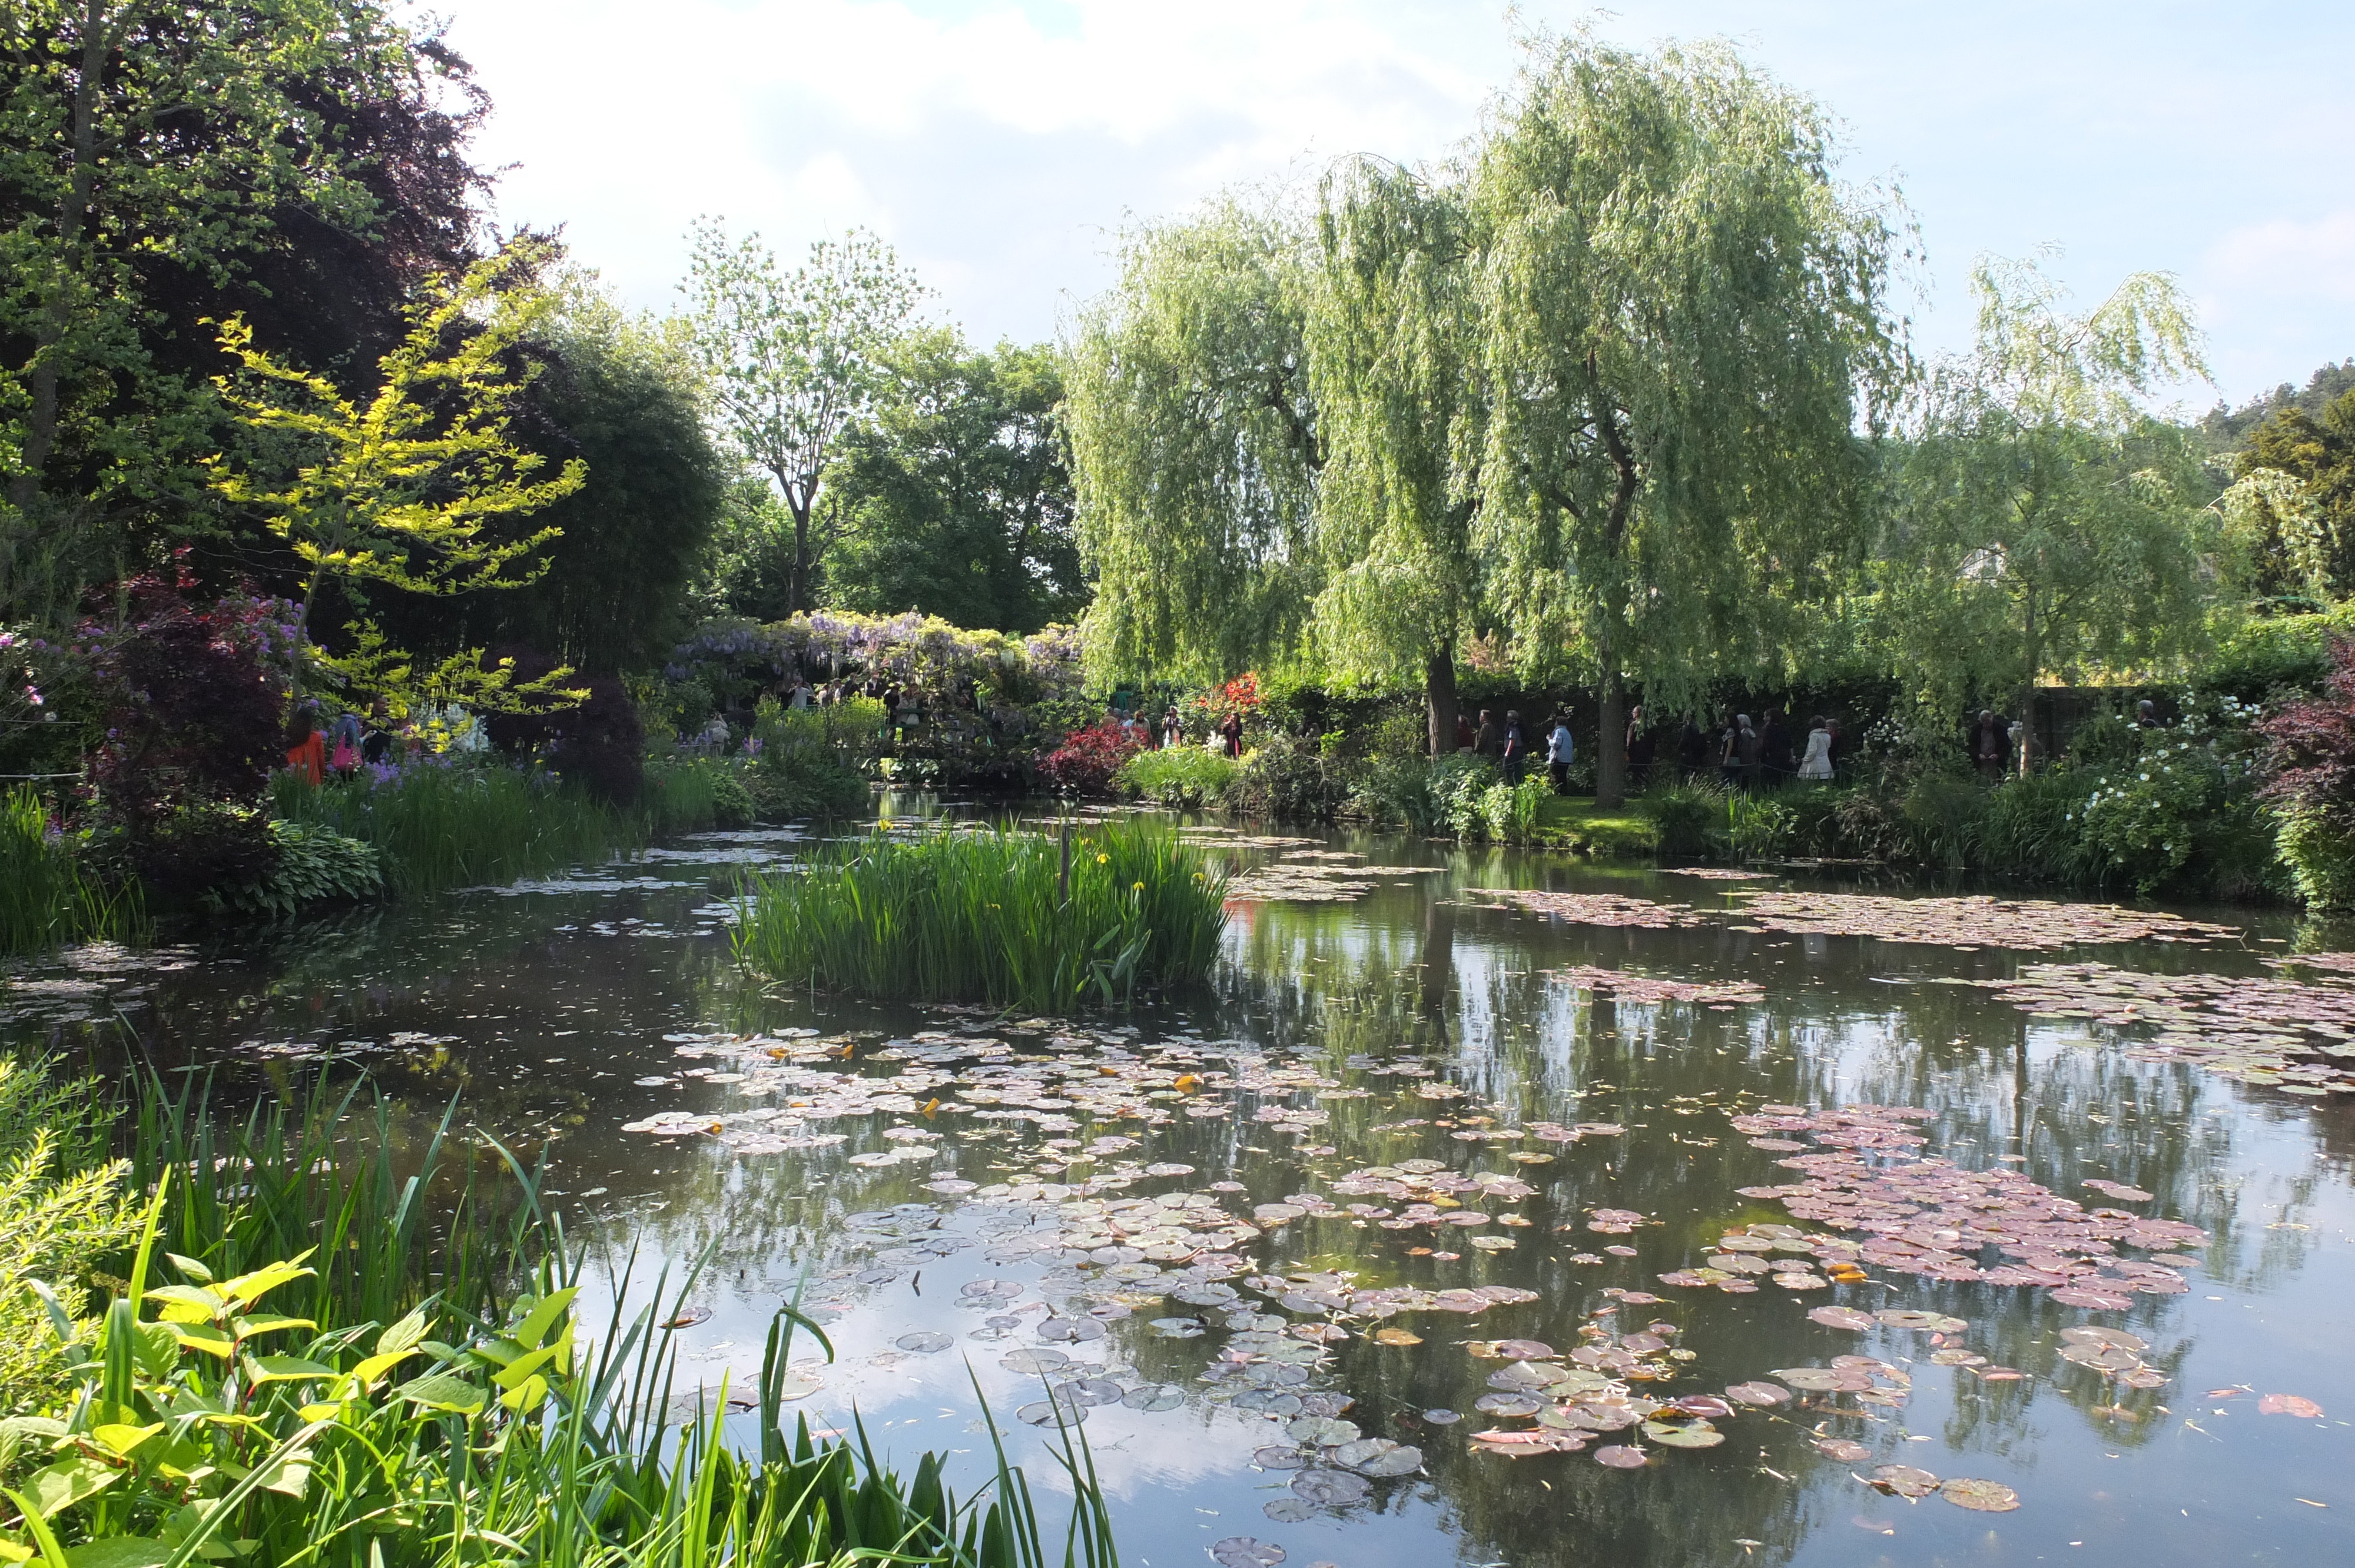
<point x="2025" y="704"/>
<point x="1611" y="748"/>
<point x="1439" y="701"/>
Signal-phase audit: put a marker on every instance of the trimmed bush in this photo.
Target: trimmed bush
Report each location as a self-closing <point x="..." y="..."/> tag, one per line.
<point x="1182" y="776"/>
<point x="315" y="864"/>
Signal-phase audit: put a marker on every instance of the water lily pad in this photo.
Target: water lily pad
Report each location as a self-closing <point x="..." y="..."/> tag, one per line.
<point x="1840" y="1317"/>
<point x="1242" y="1552"/>
<point x="1443" y="1417"/>
<point x="1322" y="1430"/>
<point x="1905" y="1480"/>
<point x="1843" y="1450"/>
<point x="1331" y="1488"/>
<point x="1618" y="1457"/>
<point x="1396" y="1336"/>
<point x="2290" y="1404"/>
<point x="1508" y="1404"/>
<point x="1177" y="1328"/>
<point x="1155" y="1397"/>
<point x="1979" y="1497"/>
<point x="1289" y="1510"/>
<point x="1041" y="1361"/>
<point x="923" y="1342"/>
<point x="1698" y="1434"/>
<point x="1809" y="1380"/>
<point x="1758" y="1393"/>
<point x="2087" y="1334"/>
<point x="1044" y="1413"/>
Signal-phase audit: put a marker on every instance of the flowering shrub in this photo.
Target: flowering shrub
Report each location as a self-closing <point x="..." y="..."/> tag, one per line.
<point x="2309" y="778"/>
<point x="1088" y="759"/>
<point x="2141" y="819"/>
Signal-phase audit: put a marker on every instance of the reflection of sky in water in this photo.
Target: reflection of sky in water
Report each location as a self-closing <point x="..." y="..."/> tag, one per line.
<point x="547" y="1008"/>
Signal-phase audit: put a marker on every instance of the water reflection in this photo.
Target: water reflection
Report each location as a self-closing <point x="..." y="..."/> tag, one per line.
<point x="558" y="1017"/>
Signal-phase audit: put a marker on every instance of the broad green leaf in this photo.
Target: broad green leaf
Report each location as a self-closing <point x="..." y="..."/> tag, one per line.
<point x="285" y="1368"/>
<point x="245" y="1327"/>
<point x="123" y="1439"/>
<point x="204" y="1336"/>
<point x="535" y="1325"/>
<point x="64" y="1484"/>
<point x="404" y="1337"/>
<point x="442" y="1391"/>
<point x="34" y="1425"/>
<point x="191" y="1267"/>
<point x="158" y="1351"/>
<point x="248" y="1289"/>
<point x="528" y="1396"/>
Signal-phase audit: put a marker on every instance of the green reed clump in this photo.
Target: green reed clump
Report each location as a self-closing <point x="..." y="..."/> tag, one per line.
<point x="398" y="1389"/>
<point x="996" y="915"/>
<point x="47" y="898"/>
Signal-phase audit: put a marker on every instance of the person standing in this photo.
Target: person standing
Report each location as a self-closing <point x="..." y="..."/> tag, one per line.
<point x="1230" y="732"/>
<point x="307" y="753"/>
<point x="1775" y="749"/>
<point x="1490" y="742"/>
<point x="1639" y="745"/>
<point x="1560" y="748"/>
<point x="1466" y="741"/>
<point x="376" y="744"/>
<point x="1173" y="730"/>
<point x="1752" y="749"/>
<point x="1990" y="746"/>
<point x="1728" y="749"/>
<point x="1693" y="748"/>
<point x="1815" y="766"/>
<point x="1515" y="752"/>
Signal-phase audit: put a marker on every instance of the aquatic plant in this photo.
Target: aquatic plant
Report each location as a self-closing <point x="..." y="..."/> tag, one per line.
<point x="47" y="896"/>
<point x="996" y="915"/>
<point x="1180" y="776"/>
<point x="325" y="1409"/>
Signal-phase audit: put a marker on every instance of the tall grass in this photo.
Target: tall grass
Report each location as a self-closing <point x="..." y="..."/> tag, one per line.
<point x="46" y="899"/>
<point x="438" y="826"/>
<point x="995" y="914"/>
<point x="442" y="1404"/>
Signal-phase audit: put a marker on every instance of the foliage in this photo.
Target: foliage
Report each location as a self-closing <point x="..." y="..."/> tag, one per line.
<point x="2290" y="514"/>
<point x="727" y="803"/>
<point x="955" y="496"/>
<point x="1001" y="916"/>
<point x="1393" y="341"/>
<point x="621" y="396"/>
<point x="1180" y="776"/>
<point x="437" y="823"/>
<point x="947" y="664"/>
<point x="47" y="897"/>
<point x="1088" y="759"/>
<point x="382" y="1395"/>
<point x="1676" y="463"/>
<point x="1759" y="827"/>
<point x="326" y="172"/>
<point x="1682" y="815"/>
<point x="794" y="363"/>
<point x="1289" y="778"/>
<point x="2309" y="749"/>
<point x="62" y="1212"/>
<point x="410" y="491"/>
<point x="312" y="865"/>
<point x="2041" y="520"/>
<point x="1193" y="445"/>
<point x="2320" y="854"/>
<point x="595" y="742"/>
<point x="807" y="761"/>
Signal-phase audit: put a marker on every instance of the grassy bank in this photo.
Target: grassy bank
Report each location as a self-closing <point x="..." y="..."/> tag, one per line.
<point x="994" y="914"/>
<point x="437" y="826"/>
<point x="311" y="1359"/>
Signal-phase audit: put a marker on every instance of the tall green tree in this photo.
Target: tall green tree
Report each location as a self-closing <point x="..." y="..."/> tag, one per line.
<point x="958" y="491"/>
<point x="1394" y="345"/>
<point x="2290" y="513"/>
<point x="301" y="162"/>
<point x="1685" y="335"/>
<point x="1195" y="446"/>
<point x="795" y="361"/>
<point x="2042" y="520"/>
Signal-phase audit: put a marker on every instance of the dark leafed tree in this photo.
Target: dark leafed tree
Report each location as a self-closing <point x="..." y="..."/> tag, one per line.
<point x="301" y="162"/>
<point x="1684" y="341"/>
<point x="1195" y="446"/>
<point x="795" y="360"/>
<point x="957" y="492"/>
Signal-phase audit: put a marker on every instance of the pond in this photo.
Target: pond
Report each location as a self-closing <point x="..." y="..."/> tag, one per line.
<point x="1446" y="1225"/>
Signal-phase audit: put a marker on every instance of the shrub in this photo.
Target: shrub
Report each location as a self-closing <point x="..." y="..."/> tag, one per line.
<point x="2141" y="821"/>
<point x="2309" y="764"/>
<point x="1013" y="918"/>
<point x="1289" y="779"/>
<point x="731" y="803"/>
<point x="1941" y="817"/>
<point x="315" y="864"/>
<point x="1758" y="827"/>
<point x="47" y="896"/>
<point x="1456" y="784"/>
<point x="1509" y="812"/>
<point x="1182" y="776"/>
<point x="2321" y="858"/>
<point x="437" y="823"/>
<point x="1087" y="761"/>
<point x="1396" y="791"/>
<point x="62" y="1210"/>
<point x="1683" y="814"/>
<point x="598" y="744"/>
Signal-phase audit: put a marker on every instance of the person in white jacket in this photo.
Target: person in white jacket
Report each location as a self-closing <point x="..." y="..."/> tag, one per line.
<point x="1818" y="762"/>
<point x="1560" y="747"/>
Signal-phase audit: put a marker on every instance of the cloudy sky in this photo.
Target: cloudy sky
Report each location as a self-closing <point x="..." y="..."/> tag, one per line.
<point x="1002" y="144"/>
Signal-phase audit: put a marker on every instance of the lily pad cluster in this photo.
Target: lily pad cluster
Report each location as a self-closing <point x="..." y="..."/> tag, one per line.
<point x="1586" y="908"/>
<point x="1975" y="922"/>
<point x="1651" y="990"/>
<point x="2258" y="1029"/>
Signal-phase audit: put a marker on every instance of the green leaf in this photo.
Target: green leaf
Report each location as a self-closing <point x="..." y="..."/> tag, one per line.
<point x="442" y="1391"/>
<point x="64" y="1484"/>
<point x="123" y="1439"/>
<point x="122" y="1552"/>
<point x="191" y="1268"/>
<point x="203" y="1337"/>
<point x="403" y="1337"/>
<point x="286" y="1369"/>
<point x="535" y="1325"/>
<point x="245" y="1327"/>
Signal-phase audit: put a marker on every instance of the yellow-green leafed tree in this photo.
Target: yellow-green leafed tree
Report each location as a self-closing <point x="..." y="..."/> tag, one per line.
<point x="420" y="488"/>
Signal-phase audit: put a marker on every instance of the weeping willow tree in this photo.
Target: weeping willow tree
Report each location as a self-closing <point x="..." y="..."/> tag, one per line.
<point x="1393" y="355"/>
<point x="1684" y="338"/>
<point x="2042" y="520"/>
<point x="1195" y="447"/>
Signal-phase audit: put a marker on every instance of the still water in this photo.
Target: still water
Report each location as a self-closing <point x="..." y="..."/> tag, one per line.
<point x="1407" y="1173"/>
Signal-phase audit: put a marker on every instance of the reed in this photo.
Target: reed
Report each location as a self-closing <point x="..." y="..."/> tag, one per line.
<point x="438" y="826"/>
<point x="46" y="899"/>
<point x="996" y="915"/>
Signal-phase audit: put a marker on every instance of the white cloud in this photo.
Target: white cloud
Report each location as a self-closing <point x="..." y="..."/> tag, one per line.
<point x="2315" y="257"/>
